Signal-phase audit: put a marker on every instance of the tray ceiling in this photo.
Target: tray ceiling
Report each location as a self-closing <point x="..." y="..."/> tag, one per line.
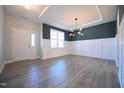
<point x="63" y="15"/>
<point x="88" y="15"/>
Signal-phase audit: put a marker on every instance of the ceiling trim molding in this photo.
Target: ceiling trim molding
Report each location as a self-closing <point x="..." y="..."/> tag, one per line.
<point x="44" y="11"/>
<point x="99" y="12"/>
<point x="100" y="19"/>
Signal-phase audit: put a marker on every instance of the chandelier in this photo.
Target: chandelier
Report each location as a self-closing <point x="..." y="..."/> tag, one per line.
<point x="76" y="30"/>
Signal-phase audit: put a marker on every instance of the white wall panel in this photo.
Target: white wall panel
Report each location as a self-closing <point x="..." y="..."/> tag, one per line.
<point x="109" y="48"/>
<point x="96" y="48"/>
<point x="81" y="47"/>
<point x="49" y="52"/>
<point x="100" y="48"/>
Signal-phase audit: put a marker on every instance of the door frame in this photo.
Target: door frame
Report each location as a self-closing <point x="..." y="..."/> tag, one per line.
<point x="12" y="45"/>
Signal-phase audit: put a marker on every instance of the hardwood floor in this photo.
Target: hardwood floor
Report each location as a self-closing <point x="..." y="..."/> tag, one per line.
<point x="69" y="71"/>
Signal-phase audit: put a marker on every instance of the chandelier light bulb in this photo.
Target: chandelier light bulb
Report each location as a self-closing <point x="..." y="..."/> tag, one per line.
<point x="82" y="34"/>
<point x="80" y="29"/>
<point x="73" y="34"/>
<point x="79" y="32"/>
<point x="70" y="34"/>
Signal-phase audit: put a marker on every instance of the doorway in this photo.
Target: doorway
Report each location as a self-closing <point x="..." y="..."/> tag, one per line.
<point x="23" y="44"/>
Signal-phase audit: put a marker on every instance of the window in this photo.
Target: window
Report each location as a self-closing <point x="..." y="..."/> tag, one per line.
<point x="33" y="39"/>
<point x="57" y="38"/>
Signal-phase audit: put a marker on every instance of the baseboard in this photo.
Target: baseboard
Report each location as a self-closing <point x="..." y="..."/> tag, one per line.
<point x="3" y="64"/>
<point x="6" y="62"/>
<point x="35" y="58"/>
<point x="53" y="57"/>
<point x="77" y="55"/>
<point x="12" y="61"/>
<point x="2" y="67"/>
<point x="93" y="57"/>
<point x="120" y="81"/>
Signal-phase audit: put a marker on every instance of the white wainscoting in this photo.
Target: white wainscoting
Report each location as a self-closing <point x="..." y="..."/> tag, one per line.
<point x="48" y="52"/>
<point x="100" y="48"/>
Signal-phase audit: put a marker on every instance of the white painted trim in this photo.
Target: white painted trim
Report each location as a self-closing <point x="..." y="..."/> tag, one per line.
<point x="44" y="11"/>
<point x="100" y="19"/>
<point x="10" y="61"/>
<point x="88" y="23"/>
<point x="119" y="80"/>
<point x="2" y="67"/>
<point x="99" y="12"/>
<point x="35" y="58"/>
<point x="94" y="39"/>
<point x="55" y="56"/>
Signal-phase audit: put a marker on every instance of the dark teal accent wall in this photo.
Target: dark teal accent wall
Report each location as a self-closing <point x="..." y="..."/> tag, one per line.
<point x="46" y="31"/>
<point x="106" y="30"/>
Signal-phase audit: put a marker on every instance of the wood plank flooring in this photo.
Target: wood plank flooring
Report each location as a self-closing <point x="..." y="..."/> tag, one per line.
<point x="68" y="71"/>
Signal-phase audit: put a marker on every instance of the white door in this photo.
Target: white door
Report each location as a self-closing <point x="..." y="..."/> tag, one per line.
<point x="23" y="45"/>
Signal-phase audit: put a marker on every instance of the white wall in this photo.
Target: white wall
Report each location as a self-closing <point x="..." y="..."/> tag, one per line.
<point x="120" y="44"/>
<point x="12" y="22"/>
<point x="49" y="52"/>
<point x="1" y="38"/>
<point x="100" y="48"/>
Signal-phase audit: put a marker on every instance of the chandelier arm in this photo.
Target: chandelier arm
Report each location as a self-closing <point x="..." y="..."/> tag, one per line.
<point x="78" y="32"/>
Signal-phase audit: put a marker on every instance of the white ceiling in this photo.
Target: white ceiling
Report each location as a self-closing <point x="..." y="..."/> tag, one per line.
<point x="32" y="13"/>
<point x="88" y="15"/>
<point x="63" y="15"/>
